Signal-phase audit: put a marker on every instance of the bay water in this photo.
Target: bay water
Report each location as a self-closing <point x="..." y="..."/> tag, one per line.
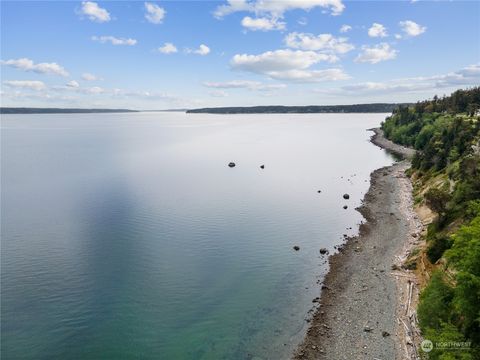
<point x="127" y="235"/>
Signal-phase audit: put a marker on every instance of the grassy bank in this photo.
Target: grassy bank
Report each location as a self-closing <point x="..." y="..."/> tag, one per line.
<point x="446" y="177"/>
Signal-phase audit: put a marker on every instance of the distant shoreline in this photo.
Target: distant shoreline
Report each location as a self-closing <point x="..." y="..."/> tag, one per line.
<point x="28" y="110"/>
<point x="309" y="109"/>
<point x="270" y="109"/>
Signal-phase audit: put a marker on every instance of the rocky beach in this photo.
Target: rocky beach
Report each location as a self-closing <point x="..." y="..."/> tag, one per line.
<point x="365" y="294"/>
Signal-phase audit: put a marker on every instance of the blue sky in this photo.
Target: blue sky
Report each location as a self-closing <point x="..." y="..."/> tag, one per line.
<point x="169" y="54"/>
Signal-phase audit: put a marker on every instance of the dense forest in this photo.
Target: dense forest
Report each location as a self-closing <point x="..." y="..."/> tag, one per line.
<point x="17" y="110"/>
<point x="446" y="177"/>
<point x="358" y="108"/>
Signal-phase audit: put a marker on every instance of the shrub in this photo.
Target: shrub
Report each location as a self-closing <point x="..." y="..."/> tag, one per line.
<point x="437" y="246"/>
<point x="435" y="303"/>
<point x="437" y="200"/>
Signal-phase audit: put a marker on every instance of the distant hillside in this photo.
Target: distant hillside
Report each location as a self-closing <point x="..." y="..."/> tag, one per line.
<point x="310" y="109"/>
<point x="13" y="110"/>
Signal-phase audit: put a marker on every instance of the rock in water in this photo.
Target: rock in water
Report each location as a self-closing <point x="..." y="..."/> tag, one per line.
<point x="346" y="196"/>
<point x="296" y="248"/>
<point x="319" y="191"/>
<point x="345" y="207"/>
<point x="323" y="251"/>
<point x="232" y="164"/>
<point x="262" y="166"/>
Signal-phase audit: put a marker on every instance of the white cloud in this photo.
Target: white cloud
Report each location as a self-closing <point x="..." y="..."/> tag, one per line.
<point x="94" y="90"/>
<point x="218" y="93"/>
<point x="302" y="21"/>
<point x="245" y="84"/>
<point x="278" y="60"/>
<point x="94" y="12"/>
<point x="297" y="75"/>
<point x="20" y="92"/>
<point x="26" y="84"/>
<point x="89" y="77"/>
<point x="377" y="30"/>
<point x="263" y="24"/>
<point x="172" y="100"/>
<point x="411" y="28"/>
<point x="374" y="87"/>
<point x="468" y="76"/>
<point x="277" y="7"/>
<point x="324" y="42"/>
<point x="398" y="36"/>
<point x="114" y="41"/>
<point x="336" y="7"/>
<point x="202" y="50"/>
<point x="345" y="28"/>
<point x="288" y="65"/>
<point x="155" y="14"/>
<point x="231" y="7"/>
<point x="73" y="84"/>
<point x="376" y="54"/>
<point x="168" y="48"/>
<point x="472" y="71"/>
<point x="41" y="68"/>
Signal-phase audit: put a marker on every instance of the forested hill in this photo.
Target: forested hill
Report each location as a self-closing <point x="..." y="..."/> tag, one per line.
<point x="358" y="108"/>
<point x="18" y="110"/>
<point x="446" y="177"/>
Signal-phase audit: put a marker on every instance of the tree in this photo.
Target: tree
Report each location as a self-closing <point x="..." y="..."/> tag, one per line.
<point x="437" y="200"/>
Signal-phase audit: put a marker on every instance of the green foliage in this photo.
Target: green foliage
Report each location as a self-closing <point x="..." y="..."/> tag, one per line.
<point x="446" y="133"/>
<point x="473" y="209"/>
<point x="437" y="199"/>
<point x="445" y="334"/>
<point x="442" y="129"/>
<point x="437" y="247"/>
<point x="435" y="303"/>
<point x="465" y="258"/>
<point x="467" y="187"/>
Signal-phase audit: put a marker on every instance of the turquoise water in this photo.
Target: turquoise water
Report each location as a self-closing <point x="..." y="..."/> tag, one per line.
<point x="127" y="235"/>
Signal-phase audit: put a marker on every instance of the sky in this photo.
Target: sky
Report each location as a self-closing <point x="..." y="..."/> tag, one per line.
<point x="190" y="54"/>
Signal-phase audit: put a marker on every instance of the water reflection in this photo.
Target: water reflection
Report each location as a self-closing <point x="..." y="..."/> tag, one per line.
<point x="127" y="235"/>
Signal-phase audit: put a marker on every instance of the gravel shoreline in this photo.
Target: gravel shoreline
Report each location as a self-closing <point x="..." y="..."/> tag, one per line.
<point x="358" y="316"/>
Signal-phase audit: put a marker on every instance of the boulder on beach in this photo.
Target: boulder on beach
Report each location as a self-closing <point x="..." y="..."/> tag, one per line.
<point x="346" y="196"/>
<point x="231" y="164"/>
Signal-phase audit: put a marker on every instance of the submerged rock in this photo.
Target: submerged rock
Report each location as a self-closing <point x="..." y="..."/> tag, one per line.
<point x="231" y="164"/>
<point x="346" y="196"/>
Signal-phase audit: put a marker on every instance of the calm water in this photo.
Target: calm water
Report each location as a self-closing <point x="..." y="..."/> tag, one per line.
<point x="127" y="236"/>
